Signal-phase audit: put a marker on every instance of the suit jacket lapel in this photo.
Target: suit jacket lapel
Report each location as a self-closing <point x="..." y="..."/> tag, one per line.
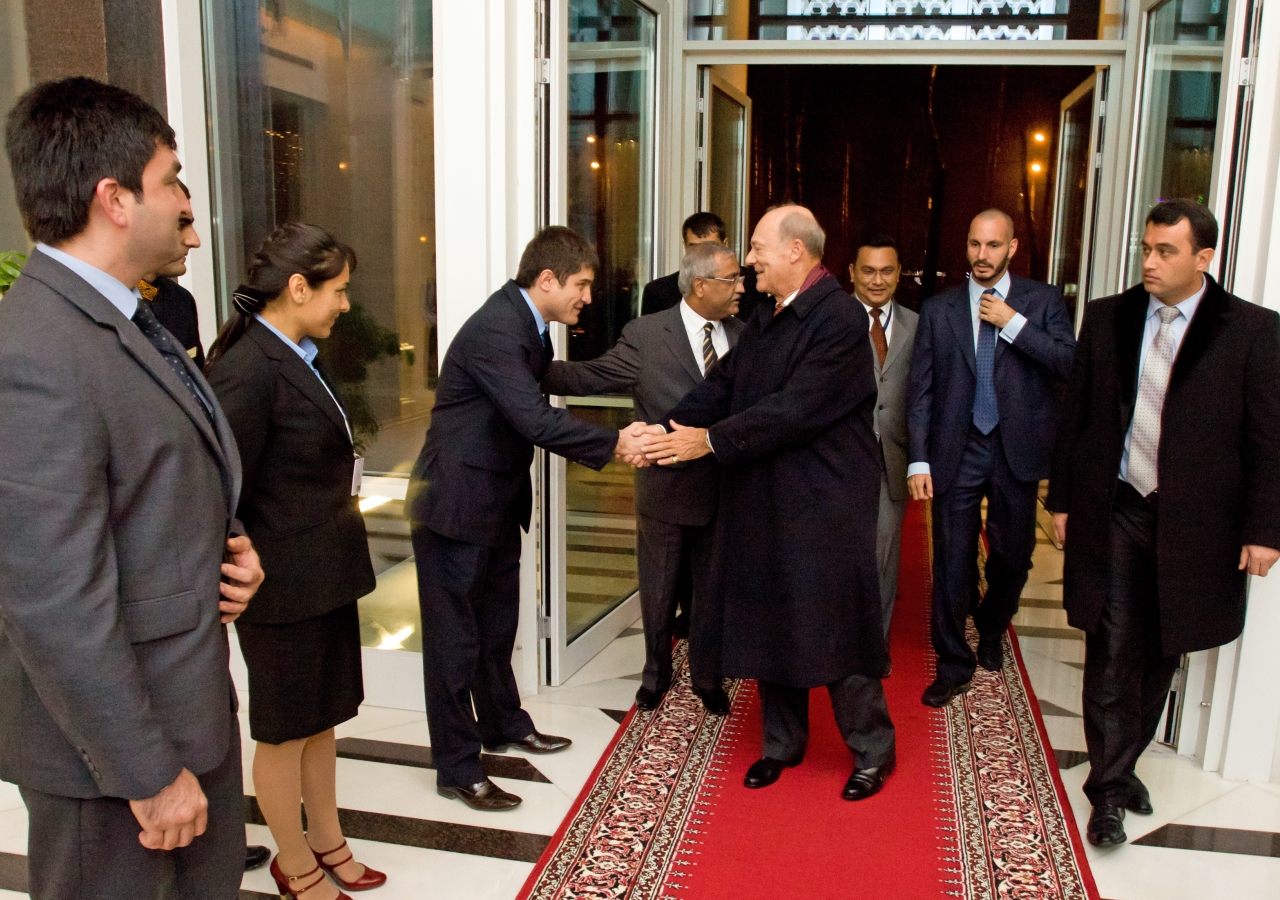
<point x="962" y="324"/>
<point x="678" y="342"/>
<point x="1130" y="322"/>
<point x="1200" y="331"/>
<point x="1016" y="300"/>
<point x="897" y="340"/>
<point x="295" y="370"/>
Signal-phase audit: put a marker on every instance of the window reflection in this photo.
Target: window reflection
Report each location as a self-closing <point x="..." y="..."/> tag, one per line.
<point x="14" y="80"/>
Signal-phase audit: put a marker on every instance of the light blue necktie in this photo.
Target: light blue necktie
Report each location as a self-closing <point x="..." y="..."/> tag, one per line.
<point x="985" y="414"/>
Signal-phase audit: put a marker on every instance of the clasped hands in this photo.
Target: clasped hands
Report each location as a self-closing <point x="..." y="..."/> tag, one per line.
<point x="643" y="445"/>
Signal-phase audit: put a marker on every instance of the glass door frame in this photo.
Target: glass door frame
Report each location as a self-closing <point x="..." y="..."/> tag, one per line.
<point x="708" y="82"/>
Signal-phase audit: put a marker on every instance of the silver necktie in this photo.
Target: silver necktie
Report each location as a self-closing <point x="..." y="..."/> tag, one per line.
<point x="1144" y="446"/>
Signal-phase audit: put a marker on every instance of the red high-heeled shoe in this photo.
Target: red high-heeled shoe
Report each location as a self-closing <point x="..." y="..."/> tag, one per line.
<point x="371" y="878"/>
<point x="288" y="884"/>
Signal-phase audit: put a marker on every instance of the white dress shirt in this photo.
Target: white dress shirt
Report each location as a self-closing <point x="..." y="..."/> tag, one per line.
<point x="886" y="318"/>
<point x="307" y="351"/>
<point x="122" y="296"/>
<point x="694" y="326"/>
<point x="1177" y="331"/>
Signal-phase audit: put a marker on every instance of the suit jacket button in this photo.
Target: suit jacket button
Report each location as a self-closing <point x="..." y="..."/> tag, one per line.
<point x="882" y="406"/>
<point x="742" y="445"/>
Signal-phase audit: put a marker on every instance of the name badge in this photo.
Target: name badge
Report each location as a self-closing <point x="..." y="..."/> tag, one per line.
<point x="357" y="476"/>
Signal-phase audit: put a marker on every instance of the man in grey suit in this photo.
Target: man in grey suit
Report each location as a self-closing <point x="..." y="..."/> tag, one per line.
<point x="660" y="358"/>
<point x="118" y="569"/>
<point x="875" y="272"/>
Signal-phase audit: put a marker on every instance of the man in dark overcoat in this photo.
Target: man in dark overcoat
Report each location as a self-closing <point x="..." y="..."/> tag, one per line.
<point x="788" y="416"/>
<point x="1167" y="467"/>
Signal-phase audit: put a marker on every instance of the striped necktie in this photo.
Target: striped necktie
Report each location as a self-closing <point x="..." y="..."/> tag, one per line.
<point x="709" y="355"/>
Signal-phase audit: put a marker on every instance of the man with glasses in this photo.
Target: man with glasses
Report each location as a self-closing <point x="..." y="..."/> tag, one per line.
<point x="660" y="358"/>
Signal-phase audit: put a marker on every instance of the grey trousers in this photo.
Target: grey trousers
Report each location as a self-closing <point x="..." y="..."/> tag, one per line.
<point x="889" y="549"/>
<point x="862" y="714"/>
<point x="89" y="850"/>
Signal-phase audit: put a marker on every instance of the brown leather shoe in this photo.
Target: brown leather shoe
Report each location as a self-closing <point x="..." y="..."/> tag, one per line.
<point x="484" y="795"/>
<point x="533" y="742"/>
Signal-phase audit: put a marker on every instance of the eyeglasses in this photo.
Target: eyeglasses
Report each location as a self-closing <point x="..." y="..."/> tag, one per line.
<point x="734" y="280"/>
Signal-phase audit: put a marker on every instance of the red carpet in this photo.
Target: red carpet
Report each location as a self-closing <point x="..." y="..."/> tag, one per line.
<point x="974" y="810"/>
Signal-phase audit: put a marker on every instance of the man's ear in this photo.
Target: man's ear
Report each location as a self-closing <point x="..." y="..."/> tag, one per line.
<point x="1203" y="258"/>
<point x="108" y="196"/>
<point x="1013" y="247"/>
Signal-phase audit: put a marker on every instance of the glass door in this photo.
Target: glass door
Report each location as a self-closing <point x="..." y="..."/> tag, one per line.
<point x="722" y="154"/>
<point x="609" y="178"/>
<point x="1079" y="168"/>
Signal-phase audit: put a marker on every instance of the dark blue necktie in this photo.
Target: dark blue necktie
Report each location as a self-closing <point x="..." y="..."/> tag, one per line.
<point x="154" y="332"/>
<point x="985" y="414"/>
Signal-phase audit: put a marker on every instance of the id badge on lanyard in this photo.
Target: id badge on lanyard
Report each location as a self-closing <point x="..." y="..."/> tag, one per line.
<point x="357" y="476"/>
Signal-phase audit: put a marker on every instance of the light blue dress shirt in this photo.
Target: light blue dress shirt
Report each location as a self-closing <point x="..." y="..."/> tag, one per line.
<point x="307" y="351"/>
<point x="1177" y="330"/>
<point x="121" y="296"/>
<point x="1008" y="332"/>
<point x="537" y="316"/>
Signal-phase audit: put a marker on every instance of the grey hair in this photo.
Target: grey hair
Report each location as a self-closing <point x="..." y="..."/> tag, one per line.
<point x="800" y="225"/>
<point x="700" y="262"/>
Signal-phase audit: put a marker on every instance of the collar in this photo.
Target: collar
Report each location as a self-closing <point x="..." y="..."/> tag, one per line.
<point x="1001" y="287"/>
<point x="1186" y="307"/>
<point x="120" y="295"/>
<point x="537" y="316"/>
<point x="693" y="321"/>
<point x="888" y="310"/>
<point x="305" y="349"/>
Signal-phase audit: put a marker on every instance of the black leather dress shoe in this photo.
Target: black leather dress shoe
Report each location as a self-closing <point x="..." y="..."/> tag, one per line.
<point x="1106" y="826"/>
<point x="256" y="856"/>
<point x="991" y="652"/>
<point x="647" y="700"/>
<point x="533" y="742"/>
<point x="484" y="795"/>
<point x="716" y="702"/>
<point x="865" y="782"/>
<point x="939" y="693"/>
<point x="766" y="771"/>
<point x="1139" y="798"/>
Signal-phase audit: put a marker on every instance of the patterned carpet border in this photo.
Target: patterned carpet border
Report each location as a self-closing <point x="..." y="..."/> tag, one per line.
<point x="627" y="834"/>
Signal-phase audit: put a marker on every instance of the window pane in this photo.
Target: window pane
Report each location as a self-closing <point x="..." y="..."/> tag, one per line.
<point x="610" y="201"/>
<point x="14" y="77"/>
<point x="1183" y="74"/>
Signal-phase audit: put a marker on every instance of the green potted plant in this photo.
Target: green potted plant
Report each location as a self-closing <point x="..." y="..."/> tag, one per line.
<point x="10" y="265"/>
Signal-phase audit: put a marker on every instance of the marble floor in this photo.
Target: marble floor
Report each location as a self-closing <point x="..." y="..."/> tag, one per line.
<point x="1208" y="838"/>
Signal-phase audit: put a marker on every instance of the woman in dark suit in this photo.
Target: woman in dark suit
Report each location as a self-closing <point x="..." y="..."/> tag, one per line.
<point x="301" y="636"/>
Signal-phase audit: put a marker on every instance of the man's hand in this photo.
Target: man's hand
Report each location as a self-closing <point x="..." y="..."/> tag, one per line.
<point x="630" y="448"/>
<point x="994" y="310"/>
<point x="174" y="817"/>
<point x="681" y="444"/>
<point x="1060" y="528"/>
<point x="244" y="573"/>
<point x="920" y="486"/>
<point x="1258" y="560"/>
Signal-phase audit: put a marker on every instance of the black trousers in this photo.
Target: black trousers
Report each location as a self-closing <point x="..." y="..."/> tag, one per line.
<point x="957" y="519"/>
<point x="862" y="714"/>
<point x="667" y="555"/>
<point x="89" y="850"/>
<point x="470" y="601"/>
<point x="1126" y="672"/>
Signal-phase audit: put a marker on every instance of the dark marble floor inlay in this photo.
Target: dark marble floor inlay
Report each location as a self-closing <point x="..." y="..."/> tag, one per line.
<point x="1041" y="631"/>
<point x="391" y="753"/>
<point x="616" y="714"/>
<point x="633" y="630"/>
<point x="1069" y="759"/>
<point x="427" y="834"/>
<point x="256" y="895"/>
<point x="1216" y="840"/>
<point x="13" y="872"/>
<point x="1037" y="603"/>
<point x="1053" y="709"/>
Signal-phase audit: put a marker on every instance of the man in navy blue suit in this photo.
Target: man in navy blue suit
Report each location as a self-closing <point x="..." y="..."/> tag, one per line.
<point x="981" y="419"/>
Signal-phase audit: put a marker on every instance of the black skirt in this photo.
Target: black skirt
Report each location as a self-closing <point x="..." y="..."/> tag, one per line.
<point x="304" y="677"/>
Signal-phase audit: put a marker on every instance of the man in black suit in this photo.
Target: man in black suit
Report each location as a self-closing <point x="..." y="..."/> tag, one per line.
<point x="470" y="495"/>
<point x="661" y="358"/>
<point x="788" y="415"/>
<point x="1167" y="467"/>
<point x="981" y="421"/>
<point x="171" y="303"/>
<point x="664" y="293"/>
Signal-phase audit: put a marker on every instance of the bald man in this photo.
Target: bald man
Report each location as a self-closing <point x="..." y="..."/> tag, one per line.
<point x="788" y="415"/>
<point x="981" y="418"/>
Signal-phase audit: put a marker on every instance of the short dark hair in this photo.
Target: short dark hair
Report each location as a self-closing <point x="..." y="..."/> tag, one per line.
<point x="63" y="137"/>
<point x="1204" y="227"/>
<point x="560" y="249"/>
<point x="875" y="241"/>
<point x="702" y="224"/>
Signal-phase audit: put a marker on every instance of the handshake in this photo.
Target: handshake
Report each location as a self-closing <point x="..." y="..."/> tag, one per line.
<point x="643" y="445"/>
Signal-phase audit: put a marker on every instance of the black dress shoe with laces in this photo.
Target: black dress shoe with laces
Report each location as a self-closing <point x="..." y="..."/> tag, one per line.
<point x="939" y="693"/>
<point x="865" y="782"/>
<point x="256" y="856"/>
<point x="766" y="771"/>
<point x="1139" y="798"/>
<point x="1106" y="826"/>
<point x="533" y="742"/>
<point x="991" y="652"/>
<point x="484" y="795"/>
<point x="715" y="701"/>
<point x="647" y="700"/>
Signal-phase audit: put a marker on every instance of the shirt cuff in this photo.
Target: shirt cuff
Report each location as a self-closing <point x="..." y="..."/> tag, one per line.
<point x="918" y="469"/>
<point x="709" y="447"/>
<point x="1010" y="331"/>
